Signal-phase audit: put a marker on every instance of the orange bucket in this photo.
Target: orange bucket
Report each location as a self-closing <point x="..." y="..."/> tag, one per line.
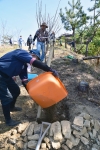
<point x="46" y="90"/>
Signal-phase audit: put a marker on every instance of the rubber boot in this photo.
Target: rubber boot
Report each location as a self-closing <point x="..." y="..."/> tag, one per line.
<point x="13" y="108"/>
<point x="8" y="120"/>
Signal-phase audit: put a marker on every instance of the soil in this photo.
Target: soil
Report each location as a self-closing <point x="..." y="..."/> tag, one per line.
<point x="71" y="74"/>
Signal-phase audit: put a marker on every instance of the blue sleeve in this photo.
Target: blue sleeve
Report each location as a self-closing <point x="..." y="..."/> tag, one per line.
<point x="23" y="56"/>
<point x="23" y="74"/>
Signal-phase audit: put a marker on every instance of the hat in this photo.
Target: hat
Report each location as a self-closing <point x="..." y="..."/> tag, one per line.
<point x="44" y="24"/>
<point x="35" y="52"/>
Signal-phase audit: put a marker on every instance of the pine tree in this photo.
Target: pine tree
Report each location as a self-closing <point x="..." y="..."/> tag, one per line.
<point x="73" y="18"/>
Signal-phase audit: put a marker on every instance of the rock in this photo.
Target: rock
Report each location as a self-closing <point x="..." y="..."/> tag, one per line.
<point x="15" y="136"/>
<point x="55" y="131"/>
<point x="85" y="116"/>
<point x="20" y="144"/>
<point x="22" y="127"/>
<point x="32" y="144"/>
<point x="64" y="147"/>
<point x="12" y="141"/>
<point x="84" y="140"/>
<point x="95" y="146"/>
<point x="20" y="139"/>
<point x="48" y="145"/>
<point x="99" y="137"/>
<point x="34" y="137"/>
<point x="25" y="146"/>
<point x="74" y="140"/>
<point x="44" y="149"/>
<point x="30" y="129"/>
<point x="56" y="145"/>
<point x="78" y="121"/>
<point x="83" y="131"/>
<point x="2" y="145"/>
<point x="14" y="131"/>
<point x="43" y="145"/>
<point x="77" y="128"/>
<point x="46" y="140"/>
<point x="94" y="149"/>
<point x="26" y="130"/>
<point x="96" y="125"/>
<point x="87" y="123"/>
<point x="37" y="128"/>
<point x="92" y="123"/>
<point x="11" y="147"/>
<point x="66" y="129"/>
<point x="69" y="144"/>
<point x="98" y="142"/>
<point x="86" y="135"/>
<point x="76" y="133"/>
<point x="91" y="135"/>
<point x="25" y="139"/>
<point x="89" y="129"/>
<point x="94" y="133"/>
<point x="16" y="148"/>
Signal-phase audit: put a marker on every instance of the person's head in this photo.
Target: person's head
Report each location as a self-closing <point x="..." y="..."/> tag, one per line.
<point x="30" y="35"/>
<point x="35" y="53"/>
<point x="43" y="26"/>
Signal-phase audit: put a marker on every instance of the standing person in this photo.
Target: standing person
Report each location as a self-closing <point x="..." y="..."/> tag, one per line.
<point x="13" y="64"/>
<point x="42" y="37"/>
<point x="29" y="42"/>
<point x="10" y="41"/>
<point x="20" y="42"/>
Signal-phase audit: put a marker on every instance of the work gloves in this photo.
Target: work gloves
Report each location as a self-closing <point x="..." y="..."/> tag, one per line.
<point x="54" y="72"/>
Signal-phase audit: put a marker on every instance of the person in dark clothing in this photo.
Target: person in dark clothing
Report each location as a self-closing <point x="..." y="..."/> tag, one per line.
<point x="10" y="41"/>
<point x="29" y="42"/>
<point x="12" y="64"/>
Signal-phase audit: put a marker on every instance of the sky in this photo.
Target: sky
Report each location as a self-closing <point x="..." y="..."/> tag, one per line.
<point x="19" y="16"/>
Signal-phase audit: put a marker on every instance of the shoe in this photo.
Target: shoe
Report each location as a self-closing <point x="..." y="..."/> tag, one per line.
<point x="12" y="122"/>
<point x="15" y="109"/>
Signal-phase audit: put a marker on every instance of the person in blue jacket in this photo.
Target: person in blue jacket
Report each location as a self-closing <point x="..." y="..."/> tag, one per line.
<point x="14" y="63"/>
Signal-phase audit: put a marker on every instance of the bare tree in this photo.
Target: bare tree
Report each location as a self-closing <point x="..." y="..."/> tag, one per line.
<point x="52" y="21"/>
<point x="17" y="33"/>
<point x="4" y="32"/>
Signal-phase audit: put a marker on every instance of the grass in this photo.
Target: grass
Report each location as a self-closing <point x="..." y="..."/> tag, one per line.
<point x="6" y="48"/>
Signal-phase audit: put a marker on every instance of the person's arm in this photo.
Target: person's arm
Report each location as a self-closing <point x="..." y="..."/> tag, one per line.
<point x="36" y="35"/>
<point x="44" y="67"/>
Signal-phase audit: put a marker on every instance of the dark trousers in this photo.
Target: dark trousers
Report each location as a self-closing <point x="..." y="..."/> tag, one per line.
<point x="9" y="90"/>
<point x="29" y="48"/>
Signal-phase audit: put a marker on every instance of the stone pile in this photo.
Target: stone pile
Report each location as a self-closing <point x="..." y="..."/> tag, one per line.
<point x="82" y="134"/>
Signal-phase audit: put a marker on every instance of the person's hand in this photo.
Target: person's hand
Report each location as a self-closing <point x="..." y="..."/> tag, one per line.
<point x="54" y="72"/>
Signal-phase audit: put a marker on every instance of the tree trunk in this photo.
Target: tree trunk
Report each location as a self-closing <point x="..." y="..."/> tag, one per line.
<point x="86" y="53"/>
<point x="65" y="43"/>
<point x="74" y="40"/>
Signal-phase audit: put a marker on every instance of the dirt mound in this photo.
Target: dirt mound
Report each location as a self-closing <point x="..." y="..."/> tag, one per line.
<point x="76" y="102"/>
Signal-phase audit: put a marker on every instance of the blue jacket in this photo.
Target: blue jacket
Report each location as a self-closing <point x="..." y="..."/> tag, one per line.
<point x="15" y="62"/>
